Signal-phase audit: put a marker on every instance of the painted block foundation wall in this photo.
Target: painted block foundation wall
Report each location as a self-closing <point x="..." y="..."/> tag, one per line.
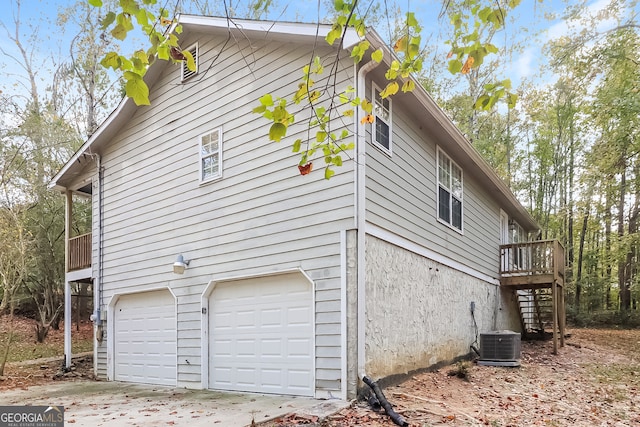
<point x="418" y="311"/>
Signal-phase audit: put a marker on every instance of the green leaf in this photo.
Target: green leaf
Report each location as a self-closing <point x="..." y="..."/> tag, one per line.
<point x="358" y="51"/>
<point x="366" y="106"/>
<point x="191" y="63"/>
<point x="484" y="14"/>
<point x="413" y="50"/>
<point x="297" y="145"/>
<point x="408" y="86"/>
<point x="95" y="3"/>
<point x="334" y="34"/>
<point x="391" y="74"/>
<point x="337" y="160"/>
<point x="163" y="52"/>
<point x="377" y="55"/>
<point x="108" y="20"/>
<point x="321" y="136"/>
<point x="411" y="19"/>
<point x="119" y="32"/>
<point x="482" y="102"/>
<point x="129" y="6"/>
<point x="512" y="98"/>
<point x="141" y="56"/>
<point x="266" y="100"/>
<point x="277" y="131"/>
<point x="280" y="114"/>
<point x="390" y="90"/>
<point x="328" y="173"/>
<point x="259" y="109"/>
<point x="455" y="66"/>
<point x="141" y="17"/>
<point x="136" y="88"/>
<point x="111" y="60"/>
<point x="318" y="68"/>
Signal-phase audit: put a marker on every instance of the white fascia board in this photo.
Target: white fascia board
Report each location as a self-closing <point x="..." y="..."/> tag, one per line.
<point x="294" y="29"/>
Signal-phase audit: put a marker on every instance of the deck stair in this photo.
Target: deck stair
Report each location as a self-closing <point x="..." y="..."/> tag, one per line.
<point x="536" y="311"/>
<point x="535" y="271"/>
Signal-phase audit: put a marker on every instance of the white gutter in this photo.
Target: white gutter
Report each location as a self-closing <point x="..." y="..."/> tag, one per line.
<point x="360" y="214"/>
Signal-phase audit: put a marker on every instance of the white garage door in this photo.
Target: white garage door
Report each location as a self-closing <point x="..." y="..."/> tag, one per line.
<point x="145" y="338"/>
<point x="261" y="335"/>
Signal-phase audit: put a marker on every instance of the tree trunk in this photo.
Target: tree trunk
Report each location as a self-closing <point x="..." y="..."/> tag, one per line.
<point x="583" y="233"/>
<point x="607" y="247"/>
<point x="623" y="265"/>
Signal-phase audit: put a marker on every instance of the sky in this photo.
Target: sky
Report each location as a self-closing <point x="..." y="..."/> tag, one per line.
<point x="528" y="24"/>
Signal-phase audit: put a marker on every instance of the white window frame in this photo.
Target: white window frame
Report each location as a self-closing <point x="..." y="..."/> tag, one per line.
<point x="389" y="121"/>
<point x="202" y="156"/>
<point x="448" y="187"/>
<point x="186" y="73"/>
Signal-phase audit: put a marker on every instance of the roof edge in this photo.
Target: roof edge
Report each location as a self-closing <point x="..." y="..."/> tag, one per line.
<point x="298" y="29"/>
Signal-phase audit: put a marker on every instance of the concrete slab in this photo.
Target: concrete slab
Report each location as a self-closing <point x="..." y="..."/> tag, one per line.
<point x="99" y="403"/>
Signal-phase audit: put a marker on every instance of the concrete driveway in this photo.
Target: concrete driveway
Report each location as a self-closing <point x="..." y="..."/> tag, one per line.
<point x="95" y="403"/>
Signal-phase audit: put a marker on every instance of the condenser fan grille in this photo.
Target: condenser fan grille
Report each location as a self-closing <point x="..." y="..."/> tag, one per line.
<point x="500" y="348"/>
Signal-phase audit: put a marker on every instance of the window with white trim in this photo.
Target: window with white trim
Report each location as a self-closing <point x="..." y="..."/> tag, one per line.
<point x="186" y="73"/>
<point x="449" y="191"/>
<point x="211" y="155"/>
<point x="382" y="124"/>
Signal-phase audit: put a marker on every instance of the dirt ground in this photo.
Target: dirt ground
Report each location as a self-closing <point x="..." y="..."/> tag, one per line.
<point x="43" y="370"/>
<point x="593" y="381"/>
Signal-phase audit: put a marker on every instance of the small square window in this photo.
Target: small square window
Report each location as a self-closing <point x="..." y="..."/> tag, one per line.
<point x="186" y="73"/>
<point x="382" y="130"/>
<point x="450" y="192"/>
<point x="211" y="155"/>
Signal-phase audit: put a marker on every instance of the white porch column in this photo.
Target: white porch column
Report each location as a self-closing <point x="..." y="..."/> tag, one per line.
<point x="67" y="323"/>
<point x="68" y="211"/>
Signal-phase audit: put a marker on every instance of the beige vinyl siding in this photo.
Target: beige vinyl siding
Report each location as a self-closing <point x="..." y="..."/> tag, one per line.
<point x="261" y="217"/>
<point x="407" y="182"/>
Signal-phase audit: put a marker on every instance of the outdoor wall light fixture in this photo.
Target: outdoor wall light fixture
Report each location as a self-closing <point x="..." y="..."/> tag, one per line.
<point x="180" y="265"/>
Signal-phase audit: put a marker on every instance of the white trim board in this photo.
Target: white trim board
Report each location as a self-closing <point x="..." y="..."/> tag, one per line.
<point x="399" y="241"/>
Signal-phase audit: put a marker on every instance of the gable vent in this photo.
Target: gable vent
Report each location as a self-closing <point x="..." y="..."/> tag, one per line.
<point x="500" y="348"/>
<point x="186" y="72"/>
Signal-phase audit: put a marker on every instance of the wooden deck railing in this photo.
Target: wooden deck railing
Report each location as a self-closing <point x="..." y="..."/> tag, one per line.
<point x="80" y="252"/>
<point x="532" y="263"/>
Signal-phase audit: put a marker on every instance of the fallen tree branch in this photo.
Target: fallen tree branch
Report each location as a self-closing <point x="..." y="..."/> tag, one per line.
<point x="437" y="402"/>
<point x="395" y="417"/>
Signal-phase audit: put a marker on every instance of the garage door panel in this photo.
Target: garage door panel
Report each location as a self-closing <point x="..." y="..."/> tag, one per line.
<point x="145" y="338"/>
<point x="261" y="336"/>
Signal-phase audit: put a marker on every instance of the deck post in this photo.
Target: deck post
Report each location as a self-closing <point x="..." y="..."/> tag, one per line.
<point x="554" y="299"/>
<point x="67" y="285"/>
<point x="563" y="316"/>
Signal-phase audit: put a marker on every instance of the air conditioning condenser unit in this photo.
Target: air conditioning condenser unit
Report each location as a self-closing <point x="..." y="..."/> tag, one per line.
<point x="499" y="348"/>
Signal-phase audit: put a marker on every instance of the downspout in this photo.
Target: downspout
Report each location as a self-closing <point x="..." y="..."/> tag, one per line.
<point x="360" y="213"/>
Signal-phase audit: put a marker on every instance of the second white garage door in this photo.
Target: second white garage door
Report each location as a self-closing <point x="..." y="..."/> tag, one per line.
<point x="145" y="338"/>
<point x="261" y="335"/>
